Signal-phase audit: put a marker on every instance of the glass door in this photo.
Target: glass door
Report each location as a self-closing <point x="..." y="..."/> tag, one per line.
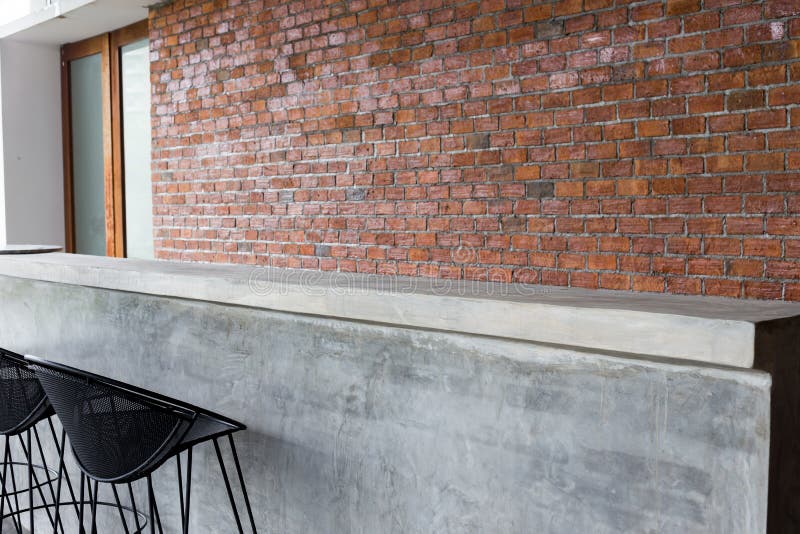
<point x="107" y="143"/>
<point x="136" y="145"/>
<point x="87" y="164"/>
<point x="87" y="155"/>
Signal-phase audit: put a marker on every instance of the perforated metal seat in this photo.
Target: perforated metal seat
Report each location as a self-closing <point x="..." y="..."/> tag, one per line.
<point x="23" y="404"/>
<point x="121" y="433"/>
<point x="22" y="400"/>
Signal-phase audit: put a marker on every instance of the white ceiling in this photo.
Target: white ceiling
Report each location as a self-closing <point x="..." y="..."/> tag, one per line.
<point x="73" y="20"/>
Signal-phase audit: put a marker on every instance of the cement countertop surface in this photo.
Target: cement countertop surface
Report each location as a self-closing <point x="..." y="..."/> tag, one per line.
<point x="705" y="329"/>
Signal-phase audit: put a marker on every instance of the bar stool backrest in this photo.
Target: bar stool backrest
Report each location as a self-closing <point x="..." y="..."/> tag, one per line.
<point x="23" y="402"/>
<point x="118" y="433"/>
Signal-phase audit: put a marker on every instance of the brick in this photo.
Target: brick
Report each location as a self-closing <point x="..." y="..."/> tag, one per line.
<point x="615" y="281"/>
<point x="722" y="288"/>
<point x="683" y="245"/>
<point x="745" y="268"/>
<point x="792" y="292"/>
<point x="540" y="189"/>
<point x="726" y="80"/>
<point x="781" y="51"/>
<point x="669" y="186"/>
<point x="745" y="225"/>
<point x="781" y="8"/>
<point x="705" y="267"/>
<point x="717" y="164"/>
<point x="691" y="84"/>
<point x="683" y="166"/>
<point x="783" y="183"/>
<point x="686" y="286"/>
<point x="762" y="290"/>
<point x="745" y="55"/>
<point x="761" y="247"/>
<point x="568" y="189"/>
<point x="783" y="269"/>
<point x="783" y="226"/>
<point x="726" y="123"/>
<point x="682" y="7"/>
<point x="740" y="100"/>
<point x="773" y="74"/>
<point x="702" y="62"/>
<point x="724" y="38"/>
<point x="685" y="44"/>
<point x="746" y="142"/>
<point x="741" y="15"/>
<point x="706" y="104"/>
<point x="766" y="119"/>
<point x="632" y="187"/>
<point x="722" y="204"/>
<point x="766" y="32"/>
<point x="654" y="128"/>
<point x="784" y="95"/>
<point x="647" y="11"/>
<point x="766" y="162"/>
<point x="688" y="125"/>
<point x="722" y="246"/>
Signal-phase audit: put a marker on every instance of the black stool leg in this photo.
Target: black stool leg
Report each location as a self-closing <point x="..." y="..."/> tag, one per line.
<point x="241" y="483"/>
<point x="228" y="487"/>
<point x="188" y="490"/>
<point x="30" y="480"/>
<point x="3" y="481"/>
<point x="47" y="472"/>
<point x="17" y="513"/>
<point x="80" y="514"/>
<point x="151" y="498"/>
<point x="61" y="447"/>
<point x="119" y="508"/>
<point x="185" y="507"/>
<point x="5" y="496"/>
<point x="180" y="488"/>
<point x="32" y="473"/>
<point x="57" y="500"/>
<point x="158" y="515"/>
<point x="94" y="499"/>
<point x="135" y="511"/>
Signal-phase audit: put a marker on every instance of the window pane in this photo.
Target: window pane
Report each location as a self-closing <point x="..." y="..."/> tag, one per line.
<point x="87" y="155"/>
<point x="136" y="149"/>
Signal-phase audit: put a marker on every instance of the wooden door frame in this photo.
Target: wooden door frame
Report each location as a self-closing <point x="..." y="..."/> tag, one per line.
<point x="108" y="45"/>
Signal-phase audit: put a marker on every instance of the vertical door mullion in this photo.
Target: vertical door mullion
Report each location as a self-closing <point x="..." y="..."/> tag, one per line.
<point x="108" y="150"/>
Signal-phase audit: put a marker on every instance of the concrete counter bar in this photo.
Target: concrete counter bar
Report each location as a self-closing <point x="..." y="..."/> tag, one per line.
<point x="712" y="330"/>
<point x="378" y="404"/>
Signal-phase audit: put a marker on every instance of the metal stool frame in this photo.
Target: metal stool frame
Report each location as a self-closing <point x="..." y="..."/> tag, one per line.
<point x="86" y="403"/>
<point x="25" y="405"/>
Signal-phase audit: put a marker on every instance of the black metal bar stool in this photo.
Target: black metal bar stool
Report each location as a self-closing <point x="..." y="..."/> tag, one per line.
<point x="121" y="433"/>
<point x="23" y="404"/>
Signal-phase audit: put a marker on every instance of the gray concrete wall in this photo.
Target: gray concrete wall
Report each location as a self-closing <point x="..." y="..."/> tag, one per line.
<point x="372" y="429"/>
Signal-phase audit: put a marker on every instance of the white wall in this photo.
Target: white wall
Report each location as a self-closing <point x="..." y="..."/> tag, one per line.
<point x="32" y="177"/>
<point x="2" y="172"/>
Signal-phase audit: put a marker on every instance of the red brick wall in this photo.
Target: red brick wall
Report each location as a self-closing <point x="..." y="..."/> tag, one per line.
<point x="648" y="145"/>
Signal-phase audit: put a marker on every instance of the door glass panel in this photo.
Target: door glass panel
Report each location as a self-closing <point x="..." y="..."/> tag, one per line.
<point x="87" y="155"/>
<point x="136" y="149"/>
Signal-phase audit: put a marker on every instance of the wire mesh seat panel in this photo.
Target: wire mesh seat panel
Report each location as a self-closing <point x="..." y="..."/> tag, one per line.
<point x="22" y="399"/>
<point x="115" y="435"/>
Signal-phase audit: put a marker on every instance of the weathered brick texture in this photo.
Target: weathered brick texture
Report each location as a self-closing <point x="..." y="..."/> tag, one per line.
<point x="642" y="145"/>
